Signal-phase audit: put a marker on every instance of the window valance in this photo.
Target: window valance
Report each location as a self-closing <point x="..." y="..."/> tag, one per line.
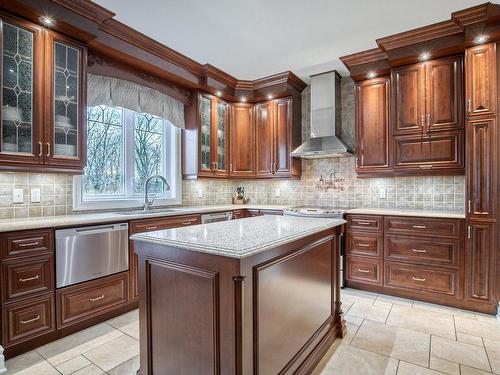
<point x="120" y="93"/>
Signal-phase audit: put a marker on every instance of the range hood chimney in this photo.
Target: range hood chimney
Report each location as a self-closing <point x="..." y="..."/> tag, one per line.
<point x="325" y="120"/>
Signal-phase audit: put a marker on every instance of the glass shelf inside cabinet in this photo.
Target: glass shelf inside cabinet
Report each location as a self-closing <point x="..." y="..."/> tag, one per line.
<point x="66" y="88"/>
<point x="221" y="135"/>
<point x="205" y="133"/>
<point x="17" y="90"/>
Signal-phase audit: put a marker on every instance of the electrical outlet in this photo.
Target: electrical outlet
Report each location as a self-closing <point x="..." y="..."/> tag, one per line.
<point x="382" y="193"/>
<point x="277" y="193"/>
<point x="35" y="195"/>
<point x="200" y="193"/>
<point x="18" y="195"/>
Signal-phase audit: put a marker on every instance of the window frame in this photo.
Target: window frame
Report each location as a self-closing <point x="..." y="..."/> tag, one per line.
<point x="129" y="199"/>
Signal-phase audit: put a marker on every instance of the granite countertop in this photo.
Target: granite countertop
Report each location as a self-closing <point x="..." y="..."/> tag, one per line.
<point x="239" y="238"/>
<point x="8" y="225"/>
<point x="406" y="212"/>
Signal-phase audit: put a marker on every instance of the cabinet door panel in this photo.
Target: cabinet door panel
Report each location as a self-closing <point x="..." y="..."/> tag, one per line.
<point x="264" y="138"/>
<point x="372" y="125"/>
<point x="65" y="126"/>
<point x="481" y="173"/>
<point x="205" y="141"/>
<point x="21" y="92"/>
<point x="408" y="93"/>
<point x="480" y="80"/>
<point x="444" y="94"/>
<point x="479" y="262"/>
<point x="282" y="136"/>
<point x="220" y="134"/>
<point x="437" y="151"/>
<point x="242" y="141"/>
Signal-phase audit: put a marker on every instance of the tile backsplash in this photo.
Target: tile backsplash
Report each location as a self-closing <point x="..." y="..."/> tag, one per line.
<point x="433" y="193"/>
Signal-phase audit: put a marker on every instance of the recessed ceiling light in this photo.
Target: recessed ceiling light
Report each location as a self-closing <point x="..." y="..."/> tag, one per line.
<point x="270" y="96"/>
<point x="425" y="56"/>
<point x="243" y="99"/>
<point x="47" y="21"/>
<point x="218" y="93"/>
<point x="372" y="74"/>
<point x="480" y="39"/>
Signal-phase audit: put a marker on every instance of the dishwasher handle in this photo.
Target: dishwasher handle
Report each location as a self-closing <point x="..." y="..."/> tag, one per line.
<point x="91" y="230"/>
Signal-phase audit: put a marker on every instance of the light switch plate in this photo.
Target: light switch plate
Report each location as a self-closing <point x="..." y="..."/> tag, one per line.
<point x="200" y="193"/>
<point x="18" y="195"/>
<point x="277" y="193"/>
<point x="35" y="195"/>
<point x="382" y="193"/>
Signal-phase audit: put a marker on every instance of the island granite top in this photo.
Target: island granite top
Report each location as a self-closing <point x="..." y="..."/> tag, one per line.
<point x="239" y="238"/>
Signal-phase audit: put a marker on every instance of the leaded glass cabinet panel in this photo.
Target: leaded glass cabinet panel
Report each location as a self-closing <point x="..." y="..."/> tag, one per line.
<point x="206" y="162"/>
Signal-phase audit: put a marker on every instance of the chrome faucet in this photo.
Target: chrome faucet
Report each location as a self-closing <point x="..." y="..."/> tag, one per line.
<point x="147" y="202"/>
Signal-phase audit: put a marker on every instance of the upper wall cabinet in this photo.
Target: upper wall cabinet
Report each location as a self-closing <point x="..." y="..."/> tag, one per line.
<point x="242" y="141"/>
<point x="43" y="99"/>
<point x="372" y="126"/>
<point x="480" y="80"/>
<point x="427" y="96"/>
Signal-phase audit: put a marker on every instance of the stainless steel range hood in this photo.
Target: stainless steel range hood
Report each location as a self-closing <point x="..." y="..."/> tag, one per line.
<point x="325" y="120"/>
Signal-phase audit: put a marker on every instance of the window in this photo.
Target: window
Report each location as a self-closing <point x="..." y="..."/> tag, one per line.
<point x="124" y="148"/>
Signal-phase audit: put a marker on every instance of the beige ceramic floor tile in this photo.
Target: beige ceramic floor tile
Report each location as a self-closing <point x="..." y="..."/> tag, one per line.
<point x="487" y="318"/>
<point x="127" y="368"/>
<point x="443" y="309"/>
<point x="431" y="322"/>
<point x="396" y="342"/>
<point x="489" y="330"/>
<point x="91" y="370"/>
<point x="394" y="300"/>
<point x="73" y="365"/>
<point x="368" y="311"/>
<point x="459" y="352"/>
<point x="22" y="362"/>
<point x="113" y="353"/>
<point x="493" y="350"/>
<point x="472" y="371"/>
<point x="72" y="346"/>
<point x="348" y="360"/>
<point x="354" y="320"/>
<point x="131" y="329"/>
<point x="351" y="332"/>
<point x="125" y="319"/>
<point x="409" y="369"/>
<point x="469" y="339"/>
<point x="40" y="368"/>
<point x="447" y="367"/>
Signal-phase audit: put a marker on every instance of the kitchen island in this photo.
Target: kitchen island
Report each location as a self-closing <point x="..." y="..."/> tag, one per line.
<point x="253" y="296"/>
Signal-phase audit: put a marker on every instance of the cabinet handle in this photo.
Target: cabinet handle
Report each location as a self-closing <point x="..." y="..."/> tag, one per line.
<point x="419" y="226"/>
<point x="29" y="279"/>
<point x="41" y="148"/>
<point x="152" y="228"/>
<point x="418" y="279"/>
<point x="419" y="250"/>
<point x="30" y="320"/>
<point x="425" y="166"/>
<point x="28" y="244"/>
<point x="428" y="120"/>
<point x="469" y="232"/>
<point x="422" y="120"/>
<point x="363" y="271"/>
<point x="363" y="245"/>
<point x="468" y="105"/>
<point x="469" y="208"/>
<point x="97" y="298"/>
<point x="231" y="167"/>
<point x="48" y="149"/>
<point x="364" y="223"/>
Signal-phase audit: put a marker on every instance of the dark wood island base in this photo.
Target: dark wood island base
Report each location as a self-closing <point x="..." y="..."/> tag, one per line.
<point x="275" y="312"/>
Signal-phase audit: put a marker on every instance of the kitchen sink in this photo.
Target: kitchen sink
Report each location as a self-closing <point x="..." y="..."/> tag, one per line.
<point x="150" y="212"/>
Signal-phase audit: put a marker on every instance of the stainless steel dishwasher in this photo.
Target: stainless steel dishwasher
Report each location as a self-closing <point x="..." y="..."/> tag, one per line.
<point x="88" y="253"/>
<point x="215" y="217"/>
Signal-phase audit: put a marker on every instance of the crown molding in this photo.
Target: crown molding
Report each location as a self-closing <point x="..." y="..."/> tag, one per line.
<point x="365" y="57"/>
<point x="87" y="9"/>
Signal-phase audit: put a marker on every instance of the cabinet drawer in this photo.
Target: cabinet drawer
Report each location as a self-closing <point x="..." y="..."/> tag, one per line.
<point x="89" y="299"/>
<point x="435" y="280"/>
<point x="25" y="243"/>
<point x="238" y="214"/>
<point x="370" y="223"/>
<point x="148" y="225"/>
<point x="253" y="212"/>
<point x="27" y="276"/>
<point x="423" y="226"/>
<point x="432" y="251"/>
<point x="28" y="319"/>
<point x="364" y="244"/>
<point x="364" y="270"/>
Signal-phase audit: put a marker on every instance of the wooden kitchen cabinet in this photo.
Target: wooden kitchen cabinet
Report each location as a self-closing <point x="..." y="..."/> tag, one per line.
<point x="481" y="80"/>
<point x="480" y="262"/>
<point x="481" y="184"/>
<point x="372" y="126"/>
<point x="242" y="141"/>
<point x="264" y="138"/>
<point x="43" y="99"/>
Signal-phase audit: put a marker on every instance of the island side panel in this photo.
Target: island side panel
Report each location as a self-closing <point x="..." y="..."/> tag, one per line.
<point x="289" y="299"/>
<point x="186" y="311"/>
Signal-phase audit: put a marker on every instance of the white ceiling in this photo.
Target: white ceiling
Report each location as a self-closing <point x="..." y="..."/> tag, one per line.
<point x="255" y="38"/>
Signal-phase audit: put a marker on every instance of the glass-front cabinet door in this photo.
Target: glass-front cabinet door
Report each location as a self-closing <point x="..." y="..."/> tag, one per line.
<point x="221" y="154"/>
<point x="21" y="94"/>
<point x="206" y="160"/>
<point x="65" y="127"/>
